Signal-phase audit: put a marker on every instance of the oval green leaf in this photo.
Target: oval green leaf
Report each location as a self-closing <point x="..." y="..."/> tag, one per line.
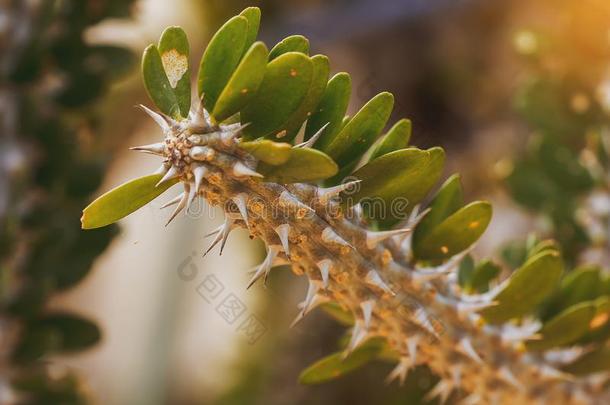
<point x="174" y="51"/>
<point x="123" y="200"/>
<point x="456" y="233"/>
<point x="303" y="165"/>
<point x="321" y="69"/>
<point x="284" y="87"/>
<point x="253" y="15"/>
<point x="397" y="138"/>
<point x="361" y="131"/>
<point x="331" y="109"/>
<point x="335" y="365"/>
<point x="527" y="288"/>
<point x="221" y="58"/>
<point x="273" y="153"/>
<point x="243" y="84"/>
<point x="157" y="84"/>
<point x="565" y="328"/>
<point x="594" y="361"/>
<point x="398" y="181"/>
<point x="293" y="43"/>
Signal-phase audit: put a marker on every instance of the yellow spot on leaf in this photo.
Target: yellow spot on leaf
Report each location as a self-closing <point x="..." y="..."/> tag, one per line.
<point x="293" y="72"/>
<point x="444" y="249"/>
<point x="175" y="65"/>
<point x="598" y="320"/>
<point x="244" y="91"/>
<point x="473" y="224"/>
<point x="281" y="134"/>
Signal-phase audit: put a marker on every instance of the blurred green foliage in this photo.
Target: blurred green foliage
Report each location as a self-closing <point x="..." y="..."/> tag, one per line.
<point x="50" y="79"/>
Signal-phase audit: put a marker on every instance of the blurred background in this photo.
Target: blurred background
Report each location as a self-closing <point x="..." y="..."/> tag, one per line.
<point x="461" y="70"/>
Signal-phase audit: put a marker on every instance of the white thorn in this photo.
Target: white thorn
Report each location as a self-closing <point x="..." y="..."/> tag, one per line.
<point x="173" y="172"/>
<point x="325" y="266"/>
<point x="162" y="169"/>
<point x="199" y="172"/>
<point x="327" y="194"/>
<point x="311" y="141"/>
<point x="358" y="213"/>
<point x="173" y="201"/>
<point x="154" y="148"/>
<point x="527" y="329"/>
<point x="467" y="308"/>
<point x="197" y="116"/>
<point x="421" y="316"/>
<point x="282" y="232"/>
<point x="202" y="153"/>
<point x="240" y="201"/>
<point x="222" y="234"/>
<point x="241" y="170"/>
<point x="312" y="300"/>
<point x="181" y="204"/>
<point x="373" y="238"/>
<point x="472" y="399"/>
<point x="412" y="343"/>
<point x="466" y="348"/>
<point x="164" y="121"/>
<point x="265" y="267"/>
<point x="373" y="278"/>
<point x="456" y="376"/>
<point x="440" y="390"/>
<point x="359" y="334"/>
<point x="505" y="374"/>
<point x="329" y="236"/>
<point x="400" y="371"/>
<point x="551" y="374"/>
<point x="367" y="311"/>
<point x="191" y="197"/>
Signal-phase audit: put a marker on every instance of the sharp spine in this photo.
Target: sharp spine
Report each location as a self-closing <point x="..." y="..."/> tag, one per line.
<point x="241" y="170"/>
<point x="327" y="194"/>
<point x="154" y="148"/>
<point x="466" y="348"/>
<point x="199" y="172"/>
<point x="325" y="266"/>
<point x="373" y="238"/>
<point x="312" y="300"/>
<point x="202" y="153"/>
<point x="173" y="201"/>
<point x="240" y="201"/>
<point x="282" y="232"/>
<point x="359" y="334"/>
<point x="441" y="390"/>
<point x="181" y="204"/>
<point x="367" y="311"/>
<point x="374" y="279"/>
<point x="164" y="121"/>
<point x="222" y="234"/>
<point x="423" y="320"/>
<point x="311" y="141"/>
<point x="173" y="172"/>
<point x="329" y="236"/>
<point x="265" y="267"/>
<point x="400" y="371"/>
<point x="507" y="376"/>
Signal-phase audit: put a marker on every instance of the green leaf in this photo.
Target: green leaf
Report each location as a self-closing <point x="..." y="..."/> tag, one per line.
<point x="243" y="84"/>
<point x="565" y="328"/>
<point x="273" y="153"/>
<point x="527" y="288"/>
<point x="484" y="272"/>
<point x="284" y="87"/>
<point x="594" y="361"/>
<point x="303" y="165"/>
<point x="55" y="333"/>
<point x="394" y="183"/>
<point x="335" y="366"/>
<point x="123" y="200"/>
<point x="397" y="138"/>
<point x="446" y="202"/>
<point x="337" y="312"/>
<point x="293" y="43"/>
<point x="361" y="131"/>
<point x="331" y="109"/>
<point x="466" y="272"/>
<point x="221" y="58"/>
<point x="157" y="84"/>
<point x="174" y="51"/>
<point x="456" y="233"/>
<point x="253" y="15"/>
<point x="321" y="69"/>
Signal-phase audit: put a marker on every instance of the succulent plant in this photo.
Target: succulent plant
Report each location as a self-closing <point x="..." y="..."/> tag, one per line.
<point x="269" y="142"/>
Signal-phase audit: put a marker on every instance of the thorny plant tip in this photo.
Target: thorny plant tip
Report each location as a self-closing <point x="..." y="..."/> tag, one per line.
<point x="394" y="272"/>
